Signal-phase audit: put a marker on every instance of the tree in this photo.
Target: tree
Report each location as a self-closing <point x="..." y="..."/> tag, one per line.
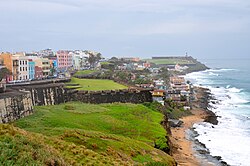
<point x="164" y="74"/>
<point x="4" y="72"/>
<point x="93" y="58"/>
<point x="52" y="71"/>
<point x="114" y="59"/>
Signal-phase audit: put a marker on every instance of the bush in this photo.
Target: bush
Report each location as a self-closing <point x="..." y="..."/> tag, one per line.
<point x="161" y="143"/>
<point x="156" y="106"/>
<point x="69" y="107"/>
<point x="156" y="164"/>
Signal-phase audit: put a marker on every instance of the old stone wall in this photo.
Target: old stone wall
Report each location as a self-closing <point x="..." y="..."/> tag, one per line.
<point x="15" y="105"/>
<point x="123" y="96"/>
<point x="19" y="101"/>
<point x="50" y="94"/>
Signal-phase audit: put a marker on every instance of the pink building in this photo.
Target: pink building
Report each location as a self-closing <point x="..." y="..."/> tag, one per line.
<point x="146" y="65"/>
<point x="64" y="59"/>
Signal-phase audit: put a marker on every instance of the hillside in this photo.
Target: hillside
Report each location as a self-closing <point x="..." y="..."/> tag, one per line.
<point x="193" y="64"/>
<point x="85" y="134"/>
<point x="172" y="61"/>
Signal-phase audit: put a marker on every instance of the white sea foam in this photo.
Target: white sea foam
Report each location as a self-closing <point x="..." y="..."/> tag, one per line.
<point x="226" y="70"/>
<point x="230" y="139"/>
<point x="213" y="74"/>
<point x="234" y="90"/>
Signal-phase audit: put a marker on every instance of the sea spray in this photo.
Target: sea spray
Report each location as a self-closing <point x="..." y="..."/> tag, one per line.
<point x="230" y="139"/>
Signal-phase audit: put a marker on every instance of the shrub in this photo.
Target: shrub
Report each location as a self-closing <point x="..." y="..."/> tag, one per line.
<point x="69" y="107"/>
<point x="156" y="106"/>
<point x="156" y="164"/>
<point x="161" y="143"/>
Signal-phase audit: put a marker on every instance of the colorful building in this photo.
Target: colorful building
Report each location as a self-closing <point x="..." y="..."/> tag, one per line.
<point x="20" y="67"/>
<point x="64" y="59"/>
<point x="159" y="93"/>
<point x="6" y="59"/>
<point x="45" y="67"/>
<point x="31" y="69"/>
<point x="38" y="72"/>
<point x="77" y="61"/>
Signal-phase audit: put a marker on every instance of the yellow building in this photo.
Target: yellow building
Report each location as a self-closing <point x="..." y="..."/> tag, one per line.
<point x="159" y="93"/>
<point x="45" y="67"/>
<point x="44" y="63"/>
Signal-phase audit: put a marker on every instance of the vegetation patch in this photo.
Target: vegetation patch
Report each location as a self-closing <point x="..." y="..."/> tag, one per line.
<point x="161" y="143"/>
<point x="173" y="61"/>
<point x="85" y="72"/>
<point x="21" y="148"/>
<point x="105" y="134"/>
<point x="96" y="84"/>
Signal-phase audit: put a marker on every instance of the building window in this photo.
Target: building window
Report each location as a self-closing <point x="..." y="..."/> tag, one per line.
<point x="26" y="69"/>
<point x="20" y="68"/>
<point x="23" y="62"/>
<point x="23" y="69"/>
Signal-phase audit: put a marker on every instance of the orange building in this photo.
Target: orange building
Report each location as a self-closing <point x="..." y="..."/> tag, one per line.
<point x="7" y="61"/>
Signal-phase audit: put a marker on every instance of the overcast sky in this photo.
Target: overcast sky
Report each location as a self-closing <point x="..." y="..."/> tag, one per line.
<point x="144" y="28"/>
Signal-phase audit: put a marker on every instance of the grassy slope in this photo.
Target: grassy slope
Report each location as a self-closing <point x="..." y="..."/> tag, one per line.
<point x="96" y="84"/>
<point x="169" y="61"/>
<point x="107" y="134"/>
<point x="85" y="72"/>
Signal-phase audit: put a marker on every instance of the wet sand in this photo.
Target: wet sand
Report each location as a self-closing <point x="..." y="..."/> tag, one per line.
<point x="182" y="151"/>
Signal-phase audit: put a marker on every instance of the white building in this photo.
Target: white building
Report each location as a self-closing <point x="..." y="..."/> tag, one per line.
<point x="79" y="59"/>
<point x="23" y="66"/>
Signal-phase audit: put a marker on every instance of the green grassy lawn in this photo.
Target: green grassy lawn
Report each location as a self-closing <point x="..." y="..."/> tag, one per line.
<point x="105" y="63"/>
<point x="169" y="61"/>
<point x="85" y="72"/>
<point x="77" y="133"/>
<point x="96" y="84"/>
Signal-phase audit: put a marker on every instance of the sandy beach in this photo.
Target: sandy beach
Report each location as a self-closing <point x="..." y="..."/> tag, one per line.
<point x="182" y="148"/>
<point x="183" y="152"/>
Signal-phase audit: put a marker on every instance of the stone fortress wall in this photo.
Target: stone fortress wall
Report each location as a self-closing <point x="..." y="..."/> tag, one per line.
<point x="19" y="101"/>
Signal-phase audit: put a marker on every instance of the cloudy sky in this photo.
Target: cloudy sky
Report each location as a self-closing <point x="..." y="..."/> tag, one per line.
<point x="144" y="28"/>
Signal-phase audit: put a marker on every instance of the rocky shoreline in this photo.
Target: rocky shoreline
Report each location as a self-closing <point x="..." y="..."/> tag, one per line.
<point x="203" y="98"/>
<point x="187" y="148"/>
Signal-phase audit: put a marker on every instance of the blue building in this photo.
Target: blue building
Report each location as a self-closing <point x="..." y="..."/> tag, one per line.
<point x="55" y="64"/>
<point x="31" y="69"/>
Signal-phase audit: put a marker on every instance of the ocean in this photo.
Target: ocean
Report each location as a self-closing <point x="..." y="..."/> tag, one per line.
<point x="229" y="82"/>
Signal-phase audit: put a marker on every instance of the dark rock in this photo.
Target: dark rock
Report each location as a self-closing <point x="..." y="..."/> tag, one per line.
<point x="217" y="157"/>
<point x="175" y="123"/>
<point x="223" y="163"/>
<point x="203" y="152"/>
<point x="211" y="119"/>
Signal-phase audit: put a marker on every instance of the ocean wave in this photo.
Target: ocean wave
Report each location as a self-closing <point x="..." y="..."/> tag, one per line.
<point x="228" y="69"/>
<point x="228" y="139"/>
<point x="213" y="74"/>
<point x="234" y="90"/>
<point x="231" y="137"/>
